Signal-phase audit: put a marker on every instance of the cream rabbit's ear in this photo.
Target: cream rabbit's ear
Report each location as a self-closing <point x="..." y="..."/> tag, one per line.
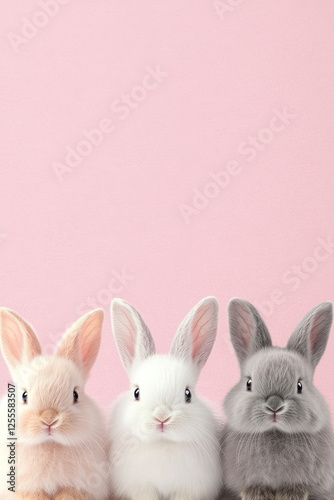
<point x="311" y="335"/>
<point x="81" y="343"/>
<point x="197" y="333"/>
<point x="248" y="331"/>
<point x="19" y="343"/>
<point x="132" y="336"/>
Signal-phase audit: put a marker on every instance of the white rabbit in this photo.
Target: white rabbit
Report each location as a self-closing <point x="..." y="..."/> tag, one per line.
<point x="164" y="437"/>
<point x="61" y="450"/>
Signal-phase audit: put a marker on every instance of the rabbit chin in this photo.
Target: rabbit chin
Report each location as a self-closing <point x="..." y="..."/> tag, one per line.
<point x="285" y="425"/>
<point x="56" y="437"/>
<point x="281" y="424"/>
<point x="157" y="435"/>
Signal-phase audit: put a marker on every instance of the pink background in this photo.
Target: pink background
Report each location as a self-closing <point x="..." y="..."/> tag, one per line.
<point x="228" y="69"/>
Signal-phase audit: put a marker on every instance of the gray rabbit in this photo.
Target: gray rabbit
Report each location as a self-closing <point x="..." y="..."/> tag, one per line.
<point x="278" y="442"/>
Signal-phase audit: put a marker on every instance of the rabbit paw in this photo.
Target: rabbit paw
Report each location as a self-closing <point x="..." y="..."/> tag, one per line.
<point x="73" y="494"/>
<point x="293" y="493"/>
<point x="38" y="495"/>
<point x="258" y="494"/>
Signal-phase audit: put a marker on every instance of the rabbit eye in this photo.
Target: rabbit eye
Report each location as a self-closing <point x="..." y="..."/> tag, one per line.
<point x="299" y="387"/>
<point x="137" y="393"/>
<point x="249" y="384"/>
<point x="25" y="397"/>
<point x="187" y="394"/>
<point x="75" y="397"/>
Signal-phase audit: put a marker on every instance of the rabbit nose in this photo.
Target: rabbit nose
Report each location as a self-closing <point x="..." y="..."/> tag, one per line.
<point x="275" y="404"/>
<point x="49" y="417"/>
<point x="163" y="421"/>
<point x="162" y="413"/>
<point x="50" y="424"/>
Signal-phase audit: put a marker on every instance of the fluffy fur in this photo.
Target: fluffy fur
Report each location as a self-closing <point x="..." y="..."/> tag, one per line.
<point x="61" y="443"/>
<point x="179" y="459"/>
<point x="278" y="438"/>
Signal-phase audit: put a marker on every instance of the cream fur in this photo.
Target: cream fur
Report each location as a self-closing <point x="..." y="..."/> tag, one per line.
<point x="75" y="454"/>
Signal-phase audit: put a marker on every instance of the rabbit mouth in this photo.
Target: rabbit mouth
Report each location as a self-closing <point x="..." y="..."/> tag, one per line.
<point x="162" y="428"/>
<point x="274" y="419"/>
<point x="162" y="425"/>
<point x="49" y="432"/>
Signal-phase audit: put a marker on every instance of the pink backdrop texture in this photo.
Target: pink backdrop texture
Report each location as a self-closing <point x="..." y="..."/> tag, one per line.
<point x="162" y="152"/>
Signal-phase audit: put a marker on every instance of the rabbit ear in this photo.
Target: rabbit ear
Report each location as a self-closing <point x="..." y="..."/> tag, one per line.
<point x="311" y="335"/>
<point x="133" y="338"/>
<point x="19" y="343"/>
<point x="81" y="343"/>
<point x="248" y="331"/>
<point x="197" y="333"/>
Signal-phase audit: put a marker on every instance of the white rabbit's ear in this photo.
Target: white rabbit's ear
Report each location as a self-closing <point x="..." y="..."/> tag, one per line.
<point x="311" y="335"/>
<point x="19" y="343"/>
<point x="248" y="331"/>
<point x="81" y="343"/>
<point x="133" y="338"/>
<point x="197" y="333"/>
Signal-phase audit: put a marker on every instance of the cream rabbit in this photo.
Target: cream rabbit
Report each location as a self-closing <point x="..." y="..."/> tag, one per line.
<point x="61" y="448"/>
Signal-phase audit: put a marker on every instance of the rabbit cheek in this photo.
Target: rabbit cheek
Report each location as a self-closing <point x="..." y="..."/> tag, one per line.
<point x="67" y="425"/>
<point x="29" y="424"/>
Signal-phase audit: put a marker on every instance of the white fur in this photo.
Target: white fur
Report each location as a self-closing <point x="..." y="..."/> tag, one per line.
<point x="183" y="461"/>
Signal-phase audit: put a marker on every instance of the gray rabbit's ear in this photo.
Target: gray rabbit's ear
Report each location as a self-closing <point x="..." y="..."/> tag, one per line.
<point x="311" y="335"/>
<point x="248" y="332"/>
<point x="133" y="338"/>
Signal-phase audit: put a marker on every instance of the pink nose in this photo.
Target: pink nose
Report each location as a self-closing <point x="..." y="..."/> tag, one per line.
<point x="52" y="423"/>
<point x="162" y="421"/>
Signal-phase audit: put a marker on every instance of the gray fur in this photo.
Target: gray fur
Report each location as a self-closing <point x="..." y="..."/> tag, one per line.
<point x="311" y="335"/>
<point x="294" y="493"/>
<point x="247" y="329"/>
<point x="294" y="455"/>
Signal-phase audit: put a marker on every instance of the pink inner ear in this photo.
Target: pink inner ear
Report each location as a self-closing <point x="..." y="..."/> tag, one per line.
<point x="245" y="325"/>
<point x="316" y="329"/>
<point x="18" y="339"/>
<point x="90" y="340"/>
<point x="12" y="337"/>
<point x="130" y="337"/>
<point x="69" y="347"/>
<point x="198" y="334"/>
<point x="87" y="344"/>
